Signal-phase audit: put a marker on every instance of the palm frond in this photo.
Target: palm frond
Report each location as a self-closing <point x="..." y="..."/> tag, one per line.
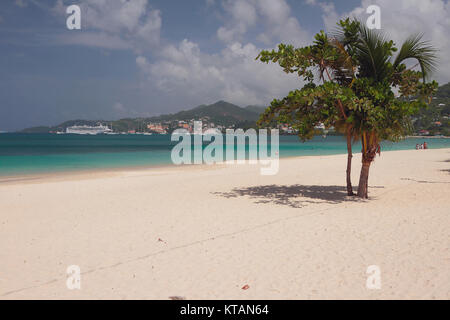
<point x="373" y="53"/>
<point x="415" y="48"/>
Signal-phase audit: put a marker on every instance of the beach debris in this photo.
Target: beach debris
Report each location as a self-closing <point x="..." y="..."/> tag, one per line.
<point x="161" y="240"/>
<point x="246" y="287"/>
<point x="177" y="298"/>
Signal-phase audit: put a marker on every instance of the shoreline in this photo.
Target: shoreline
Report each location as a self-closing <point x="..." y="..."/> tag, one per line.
<point x="113" y="171"/>
<point x="430" y="137"/>
<point x="132" y="134"/>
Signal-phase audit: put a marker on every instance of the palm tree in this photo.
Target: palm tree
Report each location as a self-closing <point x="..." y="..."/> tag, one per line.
<point x="357" y="72"/>
<point x="378" y="71"/>
<point x="342" y="71"/>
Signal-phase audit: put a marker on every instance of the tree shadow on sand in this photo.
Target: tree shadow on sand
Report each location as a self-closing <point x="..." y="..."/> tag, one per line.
<point x="295" y="196"/>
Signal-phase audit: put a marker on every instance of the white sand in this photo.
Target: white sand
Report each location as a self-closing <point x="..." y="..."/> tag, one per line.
<point x="203" y="232"/>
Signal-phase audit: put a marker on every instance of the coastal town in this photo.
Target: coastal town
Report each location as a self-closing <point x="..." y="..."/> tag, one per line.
<point x="165" y="127"/>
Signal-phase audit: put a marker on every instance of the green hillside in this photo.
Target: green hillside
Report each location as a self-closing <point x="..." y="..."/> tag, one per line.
<point x="435" y="119"/>
<point x="221" y="113"/>
<point x="431" y="121"/>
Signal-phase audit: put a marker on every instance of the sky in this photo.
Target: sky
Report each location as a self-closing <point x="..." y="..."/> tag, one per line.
<point x="138" y="58"/>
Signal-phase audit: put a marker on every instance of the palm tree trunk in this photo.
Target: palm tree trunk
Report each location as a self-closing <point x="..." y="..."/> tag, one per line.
<point x="364" y="180"/>
<point x="370" y="147"/>
<point x="349" y="163"/>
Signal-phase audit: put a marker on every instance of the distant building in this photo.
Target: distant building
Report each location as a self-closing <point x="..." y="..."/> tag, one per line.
<point x="158" y="128"/>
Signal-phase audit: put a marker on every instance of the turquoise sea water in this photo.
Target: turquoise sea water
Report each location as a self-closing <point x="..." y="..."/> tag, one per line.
<point x="37" y="153"/>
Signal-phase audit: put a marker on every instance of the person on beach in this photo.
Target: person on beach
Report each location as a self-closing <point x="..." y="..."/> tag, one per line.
<point x="425" y="146"/>
<point x="417" y="146"/>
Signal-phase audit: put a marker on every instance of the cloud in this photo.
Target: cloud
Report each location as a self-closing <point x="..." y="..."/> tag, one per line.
<point x="119" y="110"/>
<point x="185" y="74"/>
<point x="243" y="15"/>
<point x="127" y="24"/>
<point x="399" y="19"/>
<point x="232" y="75"/>
<point x="182" y="71"/>
<point x="118" y="107"/>
<point x="20" y="3"/>
<point x="280" y="24"/>
<point x="274" y="15"/>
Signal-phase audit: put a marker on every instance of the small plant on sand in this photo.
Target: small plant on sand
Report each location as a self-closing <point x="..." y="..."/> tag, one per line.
<point x="325" y="62"/>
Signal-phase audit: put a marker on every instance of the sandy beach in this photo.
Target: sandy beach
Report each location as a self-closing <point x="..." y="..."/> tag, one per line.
<point x="205" y="232"/>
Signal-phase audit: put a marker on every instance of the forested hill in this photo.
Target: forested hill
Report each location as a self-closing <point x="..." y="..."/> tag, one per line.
<point x="431" y="121"/>
<point x="435" y="119"/>
<point x="220" y="113"/>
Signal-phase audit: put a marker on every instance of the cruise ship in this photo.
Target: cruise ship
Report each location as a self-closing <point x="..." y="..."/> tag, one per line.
<point x="88" y="129"/>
